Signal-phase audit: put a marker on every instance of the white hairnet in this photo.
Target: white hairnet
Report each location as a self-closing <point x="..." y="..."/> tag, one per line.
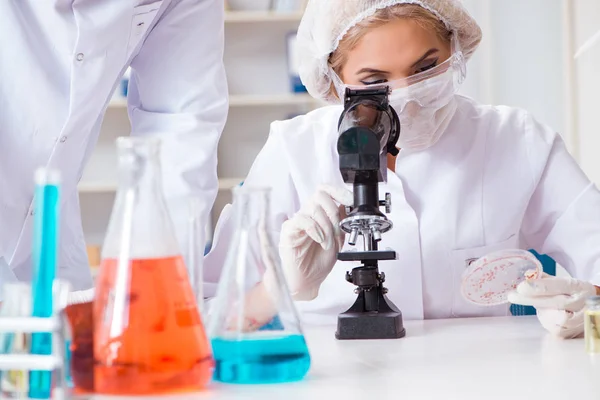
<point x="325" y="22"/>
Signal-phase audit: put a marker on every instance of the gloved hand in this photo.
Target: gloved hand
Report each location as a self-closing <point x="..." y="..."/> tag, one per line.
<point x="559" y="303"/>
<point x="310" y="240"/>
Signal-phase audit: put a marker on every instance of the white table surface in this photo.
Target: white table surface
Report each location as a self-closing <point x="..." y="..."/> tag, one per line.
<point x="478" y="358"/>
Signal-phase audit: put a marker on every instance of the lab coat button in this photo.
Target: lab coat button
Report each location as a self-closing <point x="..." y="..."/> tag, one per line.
<point x="63" y="139"/>
<point x="79" y="56"/>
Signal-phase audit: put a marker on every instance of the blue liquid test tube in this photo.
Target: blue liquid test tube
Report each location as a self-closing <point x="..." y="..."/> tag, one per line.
<point x="46" y="222"/>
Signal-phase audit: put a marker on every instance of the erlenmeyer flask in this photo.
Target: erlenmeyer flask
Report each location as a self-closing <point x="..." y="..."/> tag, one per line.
<point x="148" y="336"/>
<point x="254" y="328"/>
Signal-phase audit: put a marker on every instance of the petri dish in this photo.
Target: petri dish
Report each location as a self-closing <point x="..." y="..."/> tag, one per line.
<point x="488" y="280"/>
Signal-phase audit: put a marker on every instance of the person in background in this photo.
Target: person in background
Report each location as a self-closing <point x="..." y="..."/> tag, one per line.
<point x="60" y="62"/>
<point x="469" y="179"/>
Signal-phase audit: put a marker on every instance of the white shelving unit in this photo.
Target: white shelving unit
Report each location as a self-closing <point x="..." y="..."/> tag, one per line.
<point x="261" y="16"/>
<point x="256" y="63"/>
<point x="103" y="187"/>
<point x="249" y="100"/>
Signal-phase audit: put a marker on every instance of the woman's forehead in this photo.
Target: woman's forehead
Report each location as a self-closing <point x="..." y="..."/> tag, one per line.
<point x="400" y="38"/>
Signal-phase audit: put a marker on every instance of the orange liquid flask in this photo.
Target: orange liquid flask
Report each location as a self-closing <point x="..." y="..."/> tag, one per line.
<point x="148" y="334"/>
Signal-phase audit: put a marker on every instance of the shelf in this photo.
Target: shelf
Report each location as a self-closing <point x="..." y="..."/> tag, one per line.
<point x="99" y="188"/>
<point x="118" y="103"/>
<point x="229" y="183"/>
<point x="262" y="16"/>
<point x="250" y="100"/>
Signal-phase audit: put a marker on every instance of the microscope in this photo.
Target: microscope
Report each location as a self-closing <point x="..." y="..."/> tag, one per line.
<point x="369" y="129"/>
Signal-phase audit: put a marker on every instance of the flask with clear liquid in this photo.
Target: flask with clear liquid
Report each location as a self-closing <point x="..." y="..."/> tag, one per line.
<point x="148" y="336"/>
<point x="254" y="327"/>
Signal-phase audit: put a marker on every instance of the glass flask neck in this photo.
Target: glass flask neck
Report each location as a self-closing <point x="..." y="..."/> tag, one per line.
<point x="140" y="225"/>
<point x="139" y="164"/>
<point x="251" y="208"/>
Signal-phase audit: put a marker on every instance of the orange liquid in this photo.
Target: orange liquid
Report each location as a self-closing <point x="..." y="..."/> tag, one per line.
<point x="161" y="346"/>
<point x="82" y="346"/>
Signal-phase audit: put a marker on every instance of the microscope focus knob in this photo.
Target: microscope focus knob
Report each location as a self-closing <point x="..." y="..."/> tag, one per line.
<point x="348" y="277"/>
<point x="387" y="203"/>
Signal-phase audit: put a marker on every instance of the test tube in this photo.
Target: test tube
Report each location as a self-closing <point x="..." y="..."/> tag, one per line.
<point x="46" y="223"/>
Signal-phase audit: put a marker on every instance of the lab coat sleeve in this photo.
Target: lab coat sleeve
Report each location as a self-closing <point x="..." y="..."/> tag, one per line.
<point x="270" y="169"/>
<point x="563" y="216"/>
<point x="178" y="91"/>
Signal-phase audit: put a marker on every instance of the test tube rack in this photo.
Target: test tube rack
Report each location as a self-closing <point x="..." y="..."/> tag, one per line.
<point x="56" y="362"/>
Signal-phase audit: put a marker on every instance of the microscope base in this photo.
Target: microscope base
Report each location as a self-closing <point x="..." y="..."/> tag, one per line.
<point x="385" y="323"/>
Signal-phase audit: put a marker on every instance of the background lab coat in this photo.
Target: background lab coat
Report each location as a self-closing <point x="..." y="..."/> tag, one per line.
<point x="60" y="63"/>
<point x="497" y="179"/>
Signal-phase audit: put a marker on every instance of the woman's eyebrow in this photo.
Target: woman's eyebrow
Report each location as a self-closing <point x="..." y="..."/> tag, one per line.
<point x="371" y="71"/>
<point x="379" y="71"/>
<point x="427" y="54"/>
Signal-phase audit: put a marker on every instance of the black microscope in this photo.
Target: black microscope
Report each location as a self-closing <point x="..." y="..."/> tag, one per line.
<point x="369" y="129"/>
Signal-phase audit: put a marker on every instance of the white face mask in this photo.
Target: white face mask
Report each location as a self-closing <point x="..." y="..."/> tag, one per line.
<point x="425" y="109"/>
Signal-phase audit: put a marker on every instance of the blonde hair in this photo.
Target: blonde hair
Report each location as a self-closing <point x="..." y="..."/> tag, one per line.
<point x="416" y="13"/>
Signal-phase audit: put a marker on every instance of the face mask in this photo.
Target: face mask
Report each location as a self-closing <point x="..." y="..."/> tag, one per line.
<point x="425" y="109"/>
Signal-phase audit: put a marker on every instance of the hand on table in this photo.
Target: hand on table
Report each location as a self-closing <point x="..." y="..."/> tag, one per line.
<point x="559" y="303"/>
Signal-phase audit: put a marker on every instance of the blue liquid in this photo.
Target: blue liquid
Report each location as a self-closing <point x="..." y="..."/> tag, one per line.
<point x="68" y="376"/>
<point x="261" y="360"/>
<point x="46" y="224"/>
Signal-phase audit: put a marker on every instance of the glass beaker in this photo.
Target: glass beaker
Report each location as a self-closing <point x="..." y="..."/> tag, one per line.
<point x="148" y="336"/>
<point x="81" y="361"/>
<point x="254" y="328"/>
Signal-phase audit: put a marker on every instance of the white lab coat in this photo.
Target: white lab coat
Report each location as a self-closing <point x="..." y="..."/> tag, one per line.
<point x="60" y="62"/>
<point x="497" y="179"/>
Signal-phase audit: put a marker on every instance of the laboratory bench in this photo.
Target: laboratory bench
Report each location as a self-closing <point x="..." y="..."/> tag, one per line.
<point x="477" y="358"/>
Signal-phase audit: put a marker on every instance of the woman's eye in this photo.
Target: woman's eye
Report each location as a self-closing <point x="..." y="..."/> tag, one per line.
<point x="377" y="82"/>
<point x="427" y="67"/>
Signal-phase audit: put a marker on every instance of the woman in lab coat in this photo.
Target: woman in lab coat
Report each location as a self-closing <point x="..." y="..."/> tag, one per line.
<point x="60" y="63"/>
<point x="469" y="179"/>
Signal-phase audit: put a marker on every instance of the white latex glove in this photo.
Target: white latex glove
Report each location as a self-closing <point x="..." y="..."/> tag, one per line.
<point x="309" y="241"/>
<point x="559" y="303"/>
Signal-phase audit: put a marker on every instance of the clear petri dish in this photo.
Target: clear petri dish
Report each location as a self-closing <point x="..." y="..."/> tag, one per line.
<point x="488" y="280"/>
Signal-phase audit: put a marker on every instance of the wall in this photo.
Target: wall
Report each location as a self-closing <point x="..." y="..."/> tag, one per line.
<point x="586" y="22"/>
<point x="520" y="60"/>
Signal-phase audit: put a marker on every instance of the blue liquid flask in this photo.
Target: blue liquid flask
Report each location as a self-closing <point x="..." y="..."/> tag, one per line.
<point x="254" y="327"/>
